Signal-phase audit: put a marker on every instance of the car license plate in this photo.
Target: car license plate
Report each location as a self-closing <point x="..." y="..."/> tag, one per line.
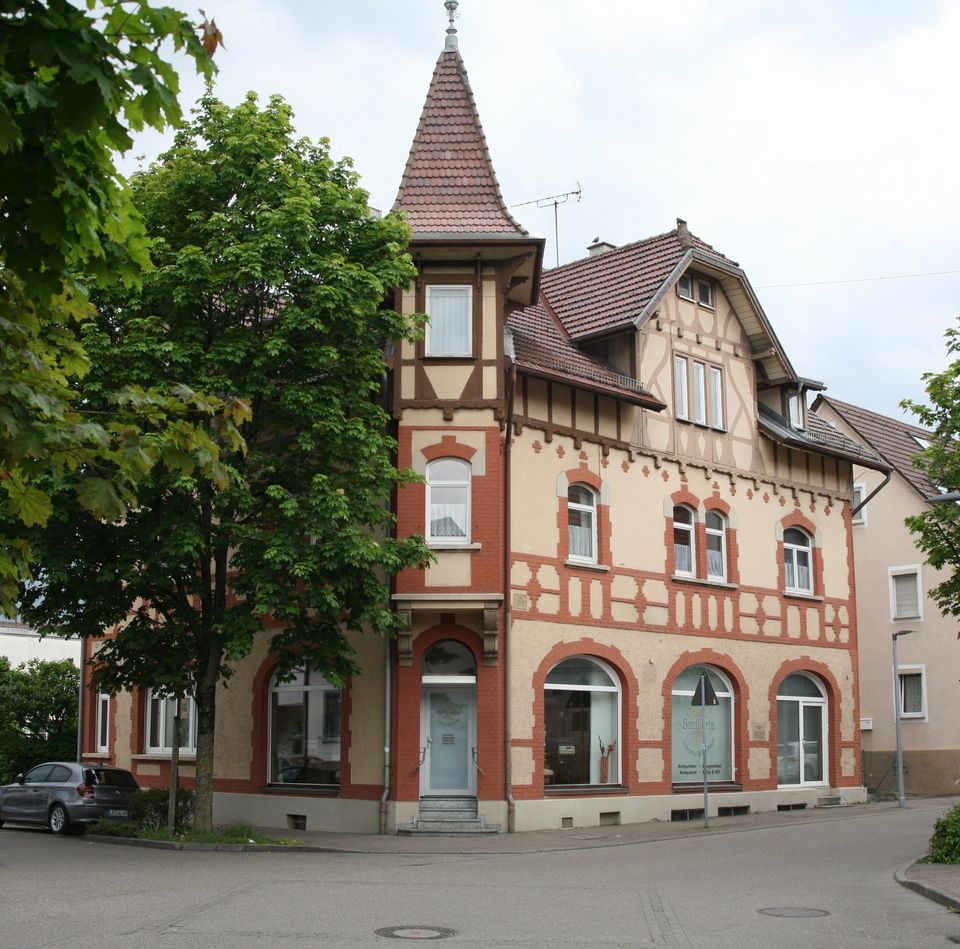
<point x="117" y="812"/>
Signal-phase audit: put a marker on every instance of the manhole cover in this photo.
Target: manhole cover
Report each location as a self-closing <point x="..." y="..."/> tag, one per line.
<point x="416" y="932"/>
<point x="793" y="912"/>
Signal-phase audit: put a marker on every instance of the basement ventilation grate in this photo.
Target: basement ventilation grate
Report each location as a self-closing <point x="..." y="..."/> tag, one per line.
<point x="738" y="811"/>
<point x="791" y="807"/>
<point x="296" y="821"/>
<point x="692" y="813"/>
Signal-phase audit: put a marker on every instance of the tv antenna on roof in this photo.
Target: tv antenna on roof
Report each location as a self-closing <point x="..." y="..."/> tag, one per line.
<point x="556" y="200"/>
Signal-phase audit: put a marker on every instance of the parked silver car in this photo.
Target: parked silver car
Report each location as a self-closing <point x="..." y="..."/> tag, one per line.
<point x="67" y="796"/>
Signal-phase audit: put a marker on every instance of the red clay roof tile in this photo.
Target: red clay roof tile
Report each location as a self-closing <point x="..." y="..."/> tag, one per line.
<point x="449" y="185"/>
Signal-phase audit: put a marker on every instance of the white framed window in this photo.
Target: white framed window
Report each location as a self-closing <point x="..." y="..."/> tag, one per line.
<point x="680" y="390"/>
<point x="448" y="502"/>
<point x="717" y="722"/>
<point x="912" y="687"/>
<point x="684" y="541"/>
<point x="581" y="711"/>
<point x="859" y="493"/>
<point x="582" y="523"/>
<point x="450" y="327"/>
<point x="906" y="598"/>
<point x="716" y="397"/>
<point x="685" y="287"/>
<point x="716" y="528"/>
<point x="705" y="292"/>
<point x="801" y="730"/>
<point x="304" y="729"/>
<point x="103" y="723"/>
<point x="798" y="561"/>
<point x="160" y="714"/>
<point x="795" y="409"/>
<point x="700" y="393"/>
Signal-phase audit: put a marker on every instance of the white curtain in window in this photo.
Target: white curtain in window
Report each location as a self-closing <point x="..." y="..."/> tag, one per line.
<point x="912" y="695"/>
<point x="449" y="320"/>
<point x="714" y="562"/>
<point x="448" y="520"/>
<point x="581" y="538"/>
<point x="683" y="558"/>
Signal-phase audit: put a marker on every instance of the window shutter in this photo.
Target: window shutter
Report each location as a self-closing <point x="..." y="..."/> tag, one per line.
<point x="906" y="602"/>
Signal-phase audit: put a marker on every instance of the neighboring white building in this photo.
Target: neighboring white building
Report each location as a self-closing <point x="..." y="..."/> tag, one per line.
<point x="893" y="585"/>
<point x="19" y="643"/>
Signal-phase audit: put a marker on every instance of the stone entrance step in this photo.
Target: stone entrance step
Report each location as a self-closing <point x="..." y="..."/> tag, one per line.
<point x="448" y="815"/>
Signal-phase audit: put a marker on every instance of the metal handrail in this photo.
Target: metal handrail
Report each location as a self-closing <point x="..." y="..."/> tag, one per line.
<point x="476" y="763"/>
<point x="423" y="757"/>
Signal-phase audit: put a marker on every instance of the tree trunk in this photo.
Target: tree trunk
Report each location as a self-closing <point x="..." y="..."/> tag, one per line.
<point x="206" y="699"/>
<point x="174" y="770"/>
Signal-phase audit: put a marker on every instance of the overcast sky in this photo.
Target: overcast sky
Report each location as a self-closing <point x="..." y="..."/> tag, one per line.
<point x="814" y="142"/>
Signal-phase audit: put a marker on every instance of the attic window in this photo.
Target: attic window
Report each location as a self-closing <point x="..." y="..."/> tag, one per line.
<point x="705" y="293"/>
<point x="685" y="287"/>
<point x="924" y="443"/>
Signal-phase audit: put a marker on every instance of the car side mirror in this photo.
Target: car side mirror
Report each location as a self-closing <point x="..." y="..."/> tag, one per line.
<point x="19" y="779"/>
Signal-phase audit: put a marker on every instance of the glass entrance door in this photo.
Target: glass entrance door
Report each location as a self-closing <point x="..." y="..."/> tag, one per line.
<point x="449" y="737"/>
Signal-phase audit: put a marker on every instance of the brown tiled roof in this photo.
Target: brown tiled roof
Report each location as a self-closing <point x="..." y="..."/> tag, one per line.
<point x="449" y="186"/>
<point x="895" y="441"/>
<point x="611" y="289"/>
<point x="544" y="349"/>
<point x="818" y="436"/>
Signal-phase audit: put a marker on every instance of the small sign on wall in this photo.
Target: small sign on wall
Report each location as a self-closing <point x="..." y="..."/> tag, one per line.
<point x="866" y="724"/>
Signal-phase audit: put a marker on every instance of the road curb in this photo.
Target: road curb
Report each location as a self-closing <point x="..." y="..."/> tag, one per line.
<point x="190" y="845"/>
<point x="925" y="889"/>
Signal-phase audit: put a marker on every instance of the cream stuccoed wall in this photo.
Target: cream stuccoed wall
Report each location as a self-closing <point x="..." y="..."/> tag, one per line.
<point x="638" y="494"/>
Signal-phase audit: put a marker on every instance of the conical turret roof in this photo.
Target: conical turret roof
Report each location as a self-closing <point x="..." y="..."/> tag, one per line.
<point x="449" y="187"/>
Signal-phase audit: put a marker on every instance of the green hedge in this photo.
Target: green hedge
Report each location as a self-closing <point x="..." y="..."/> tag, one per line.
<point x="945" y="842"/>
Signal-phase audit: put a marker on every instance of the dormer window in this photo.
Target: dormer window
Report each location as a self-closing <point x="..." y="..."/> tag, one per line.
<point x="450" y="328"/>
<point x="795" y="409"/>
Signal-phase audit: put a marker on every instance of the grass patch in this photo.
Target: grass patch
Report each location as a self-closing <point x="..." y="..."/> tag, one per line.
<point x="228" y="834"/>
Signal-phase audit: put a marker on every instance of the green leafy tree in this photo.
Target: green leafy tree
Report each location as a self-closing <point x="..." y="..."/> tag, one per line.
<point x="937" y="529"/>
<point x="268" y="288"/>
<point x="38" y="714"/>
<point x="74" y="84"/>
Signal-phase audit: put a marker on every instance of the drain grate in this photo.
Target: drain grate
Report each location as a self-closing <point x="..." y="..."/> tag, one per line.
<point x="793" y="912"/>
<point x="415" y="932"/>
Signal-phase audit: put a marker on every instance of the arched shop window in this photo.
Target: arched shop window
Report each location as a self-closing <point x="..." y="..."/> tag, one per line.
<point x="304" y="730"/>
<point x="801" y="730"/>
<point x="582" y="723"/>
<point x="717" y="725"/>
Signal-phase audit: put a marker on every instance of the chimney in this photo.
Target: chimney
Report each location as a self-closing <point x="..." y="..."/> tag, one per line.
<point x="599" y="247"/>
<point x="683" y="235"/>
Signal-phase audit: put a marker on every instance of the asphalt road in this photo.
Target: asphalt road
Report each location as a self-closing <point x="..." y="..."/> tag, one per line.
<point x="701" y="891"/>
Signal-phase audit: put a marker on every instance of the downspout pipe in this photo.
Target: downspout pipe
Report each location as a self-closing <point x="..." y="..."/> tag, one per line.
<point x="886" y="480"/>
<point x="387" y="651"/>
<point x="507" y="603"/>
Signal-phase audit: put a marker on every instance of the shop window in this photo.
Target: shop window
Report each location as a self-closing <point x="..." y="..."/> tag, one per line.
<point x="798" y="560"/>
<point x="450" y="327"/>
<point x="161" y="712"/>
<point x="448" y="502"/>
<point x="684" y="542"/>
<point x="689" y="728"/>
<point x="905" y="597"/>
<point x="103" y="723"/>
<point x="581" y="723"/>
<point x="801" y="731"/>
<point x="716" y="529"/>
<point x="304" y="730"/>
<point x="582" y="523"/>
<point x="913" y="693"/>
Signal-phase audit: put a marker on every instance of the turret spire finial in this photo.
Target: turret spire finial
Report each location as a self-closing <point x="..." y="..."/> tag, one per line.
<point x="452" y="15"/>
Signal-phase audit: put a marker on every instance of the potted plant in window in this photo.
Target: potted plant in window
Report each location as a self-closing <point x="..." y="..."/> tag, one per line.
<point x="605" y="752"/>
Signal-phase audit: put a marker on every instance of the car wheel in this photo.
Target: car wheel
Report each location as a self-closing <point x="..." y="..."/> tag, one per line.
<point x="59" y="822"/>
